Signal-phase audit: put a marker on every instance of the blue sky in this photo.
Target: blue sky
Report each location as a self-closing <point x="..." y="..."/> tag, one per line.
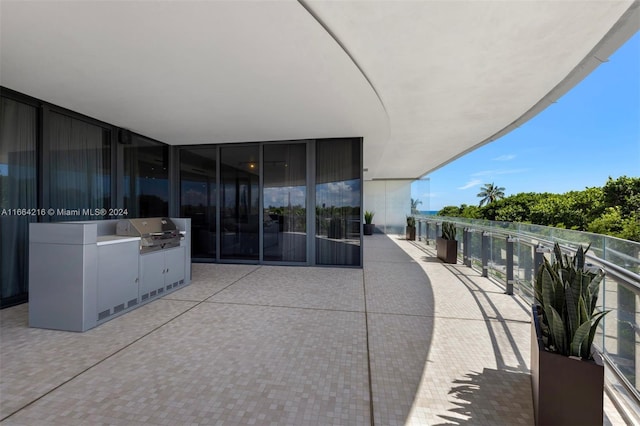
<point x="591" y="133"/>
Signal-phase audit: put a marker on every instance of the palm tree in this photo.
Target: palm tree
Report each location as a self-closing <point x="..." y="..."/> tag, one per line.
<point x="490" y="193"/>
<point x="414" y="205"/>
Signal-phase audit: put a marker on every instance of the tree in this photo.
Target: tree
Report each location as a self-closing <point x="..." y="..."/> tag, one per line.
<point x="613" y="209"/>
<point x="623" y="192"/>
<point x="470" y="212"/>
<point x="612" y="222"/>
<point x="490" y="193"/>
<point x="414" y="205"/>
<point x="451" y="211"/>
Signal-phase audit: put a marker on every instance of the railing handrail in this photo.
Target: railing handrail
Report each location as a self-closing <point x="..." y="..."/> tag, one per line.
<point x="629" y="276"/>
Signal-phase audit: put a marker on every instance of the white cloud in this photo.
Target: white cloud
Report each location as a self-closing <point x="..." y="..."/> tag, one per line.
<point x="471" y="184"/>
<point x="505" y="157"/>
<point x="500" y="172"/>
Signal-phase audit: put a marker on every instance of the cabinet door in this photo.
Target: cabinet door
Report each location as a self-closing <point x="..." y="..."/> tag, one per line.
<point x="117" y="277"/>
<point x="151" y="274"/>
<point x="174" y="263"/>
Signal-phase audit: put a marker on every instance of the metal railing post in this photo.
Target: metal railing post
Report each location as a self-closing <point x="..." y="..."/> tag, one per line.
<point x="466" y="236"/>
<point x="509" y="266"/>
<point x="485" y="254"/>
<point x="426" y="238"/>
<point x="537" y="258"/>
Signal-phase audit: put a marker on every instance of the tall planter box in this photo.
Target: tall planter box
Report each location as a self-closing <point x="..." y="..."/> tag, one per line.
<point x="566" y="390"/>
<point x="411" y="233"/>
<point x="368" y="228"/>
<point x="447" y="250"/>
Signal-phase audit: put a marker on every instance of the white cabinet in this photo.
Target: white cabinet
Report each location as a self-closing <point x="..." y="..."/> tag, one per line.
<point x="117" y="278"/>
<point x="81" y="274"/>
<point x="160" y="272"/>
<point x="174" y="262"/>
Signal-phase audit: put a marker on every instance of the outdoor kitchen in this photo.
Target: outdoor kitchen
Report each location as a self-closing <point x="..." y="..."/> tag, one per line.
<point x="82" y="274"/>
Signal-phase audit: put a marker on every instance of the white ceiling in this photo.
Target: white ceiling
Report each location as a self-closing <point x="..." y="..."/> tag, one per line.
<point x="422" y="81"/>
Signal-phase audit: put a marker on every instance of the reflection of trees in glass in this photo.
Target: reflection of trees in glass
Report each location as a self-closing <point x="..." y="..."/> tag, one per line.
<point x="286" y="206"/>
<point x="289" y="218"/>
<point x="337" y="208"/>
<point x="329" y="219"/>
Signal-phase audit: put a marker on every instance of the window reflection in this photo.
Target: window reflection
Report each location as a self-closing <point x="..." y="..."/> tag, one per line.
<point x="284" y="200"/>
<point x="239" y="173"/>
<point x="198" y="198"/>
<point x="146" y="178"/>
<point x="338" y="189"/>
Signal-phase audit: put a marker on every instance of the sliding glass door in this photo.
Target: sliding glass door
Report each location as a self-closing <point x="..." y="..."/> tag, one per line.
<point x="18" y="186"/>
<point x="240" y="202"/>
<point x="265" y="202"/>
<point x="338" y="200"/>
<point x="198" y="193"/>
<point x="146" y="178"/>
<point x="285" y="203"/>
<point x="79" y="178"/>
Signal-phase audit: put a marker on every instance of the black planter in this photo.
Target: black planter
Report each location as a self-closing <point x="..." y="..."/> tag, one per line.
<point x="447" y="250"/>
<point x="566" y="390"/>
<point x="411" y="233"/>
<point x="368" y="228"/>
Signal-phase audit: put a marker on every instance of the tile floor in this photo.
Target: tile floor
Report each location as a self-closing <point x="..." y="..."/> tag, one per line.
<point x="406" y="340"/>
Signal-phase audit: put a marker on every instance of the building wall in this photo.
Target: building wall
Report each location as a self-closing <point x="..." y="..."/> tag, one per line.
<point x="390" y="200"/>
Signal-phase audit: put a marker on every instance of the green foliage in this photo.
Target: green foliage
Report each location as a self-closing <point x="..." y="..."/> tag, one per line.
<point x="623" y="192"/>
<point x="470" y="212"/>
<point x="515" y="208"/>
<point x="567" y="291"/>
<point x="612" y="210"/>
<point x="411" y="221"/>
<point x="448" y="231"/>
<point x="572" y="210"/>
<point x="613" y="223"/>
<point x="368" y="217"/>
<point x="451" y="211"/>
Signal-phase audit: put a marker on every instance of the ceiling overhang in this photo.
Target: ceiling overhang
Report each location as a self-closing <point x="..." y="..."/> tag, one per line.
<point x="422" y="82"/>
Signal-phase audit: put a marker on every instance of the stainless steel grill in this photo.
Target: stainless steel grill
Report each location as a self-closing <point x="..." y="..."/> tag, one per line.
<point x="156" y="233"/>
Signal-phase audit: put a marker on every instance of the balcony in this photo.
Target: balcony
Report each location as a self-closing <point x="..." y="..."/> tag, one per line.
<point x="405" y="340"/>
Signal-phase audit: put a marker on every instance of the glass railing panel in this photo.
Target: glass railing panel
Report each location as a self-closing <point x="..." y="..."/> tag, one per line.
<point x="523" y="270"/>
<point x="475" y="250"/>
<point x="498" y="257"/>
<point x="619" y="331"/>
<point x="623" y="253"/>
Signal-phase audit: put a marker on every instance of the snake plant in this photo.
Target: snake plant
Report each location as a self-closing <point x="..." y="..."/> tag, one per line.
<point x="567" y="291"/>
<point x="368" y="217"/>
<point x="448" y="231"/>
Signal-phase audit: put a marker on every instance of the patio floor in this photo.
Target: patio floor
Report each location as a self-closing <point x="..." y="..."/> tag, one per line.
<point x="406" y="340"/>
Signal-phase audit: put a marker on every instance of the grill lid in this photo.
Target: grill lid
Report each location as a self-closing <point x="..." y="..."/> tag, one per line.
<point x="156" y="233"/>
<point x="151" y="226"/>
